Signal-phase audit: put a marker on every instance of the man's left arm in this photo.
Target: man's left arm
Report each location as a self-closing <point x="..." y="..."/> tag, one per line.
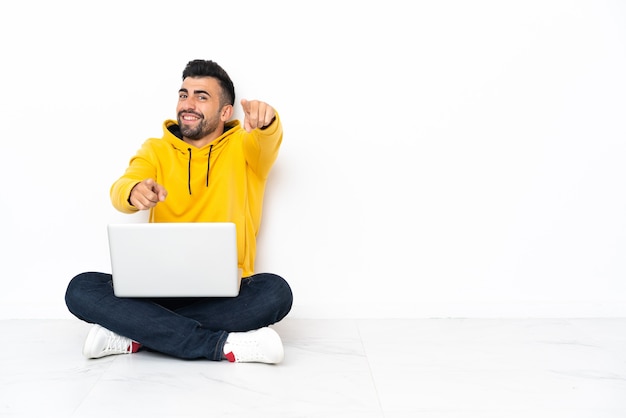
<point x="262" y="143"/>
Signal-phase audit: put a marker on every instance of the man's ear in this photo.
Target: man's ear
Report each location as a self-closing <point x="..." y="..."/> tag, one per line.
<point x="227" y="113"/>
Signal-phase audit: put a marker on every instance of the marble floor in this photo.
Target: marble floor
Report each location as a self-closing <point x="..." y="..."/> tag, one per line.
<point x="391" y="368"/>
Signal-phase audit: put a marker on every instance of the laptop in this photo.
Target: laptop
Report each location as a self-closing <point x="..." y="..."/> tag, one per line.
<point x="174" y="259"/>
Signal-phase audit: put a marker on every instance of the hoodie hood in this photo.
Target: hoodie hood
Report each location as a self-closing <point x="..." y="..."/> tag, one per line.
<point x="194" y="155"/>
<point x="171" y="132"/>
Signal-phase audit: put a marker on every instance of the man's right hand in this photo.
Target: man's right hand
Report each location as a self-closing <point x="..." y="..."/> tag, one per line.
<point x="147" y="194"/>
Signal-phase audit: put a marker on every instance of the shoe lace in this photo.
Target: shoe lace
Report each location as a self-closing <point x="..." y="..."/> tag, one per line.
<point x="117" y="344"/>
<point x="246" y="349"/>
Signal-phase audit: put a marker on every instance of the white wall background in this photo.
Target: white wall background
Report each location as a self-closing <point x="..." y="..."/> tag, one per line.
<point x="441" y="158"/>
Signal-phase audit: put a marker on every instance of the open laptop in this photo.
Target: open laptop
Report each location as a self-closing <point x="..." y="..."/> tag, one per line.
<point x="174" y="259"/>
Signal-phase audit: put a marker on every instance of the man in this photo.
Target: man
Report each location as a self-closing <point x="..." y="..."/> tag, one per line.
<point x="206" y="168"/>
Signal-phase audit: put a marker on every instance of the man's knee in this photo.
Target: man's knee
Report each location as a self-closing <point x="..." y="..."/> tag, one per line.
<point x="81" y="289"/>
<point x="282" y="295"/>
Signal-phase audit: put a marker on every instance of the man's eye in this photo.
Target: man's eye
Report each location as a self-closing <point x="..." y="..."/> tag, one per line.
<point x="182" y="96"/>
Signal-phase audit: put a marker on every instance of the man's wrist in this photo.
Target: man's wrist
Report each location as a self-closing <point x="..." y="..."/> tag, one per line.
<point x="268" y="125"/>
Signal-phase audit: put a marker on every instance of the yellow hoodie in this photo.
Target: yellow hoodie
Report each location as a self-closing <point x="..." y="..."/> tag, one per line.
<point x="223" y="181"/>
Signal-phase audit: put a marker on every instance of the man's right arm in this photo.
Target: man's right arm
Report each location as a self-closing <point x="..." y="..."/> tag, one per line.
<point x="139" y="169"/>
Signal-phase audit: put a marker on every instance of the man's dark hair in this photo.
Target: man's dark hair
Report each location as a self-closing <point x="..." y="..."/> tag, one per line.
<point x="208" y="68"/>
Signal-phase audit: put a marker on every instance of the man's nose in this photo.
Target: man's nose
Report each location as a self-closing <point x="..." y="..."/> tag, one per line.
<point x="189" y="104"/>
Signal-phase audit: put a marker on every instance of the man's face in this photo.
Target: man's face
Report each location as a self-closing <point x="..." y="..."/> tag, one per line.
<point x="198" y="110"/>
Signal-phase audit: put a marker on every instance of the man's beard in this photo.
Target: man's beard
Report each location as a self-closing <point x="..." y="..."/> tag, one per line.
<point x="199" y="131"/>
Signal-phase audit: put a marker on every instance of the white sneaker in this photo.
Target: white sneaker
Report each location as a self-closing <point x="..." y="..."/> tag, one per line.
<point x="101" y="342"/>
<point x="262" y="345"/>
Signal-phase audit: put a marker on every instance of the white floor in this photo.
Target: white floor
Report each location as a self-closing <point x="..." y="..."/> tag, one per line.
<point x="426" y="368"/>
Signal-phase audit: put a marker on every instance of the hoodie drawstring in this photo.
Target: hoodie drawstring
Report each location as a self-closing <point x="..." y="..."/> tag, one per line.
<point x="189" y="171"/>
<point x="208" y="167"/>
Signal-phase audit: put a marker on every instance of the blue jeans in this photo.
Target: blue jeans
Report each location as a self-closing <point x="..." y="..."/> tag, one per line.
<point x="187" y="328"/>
